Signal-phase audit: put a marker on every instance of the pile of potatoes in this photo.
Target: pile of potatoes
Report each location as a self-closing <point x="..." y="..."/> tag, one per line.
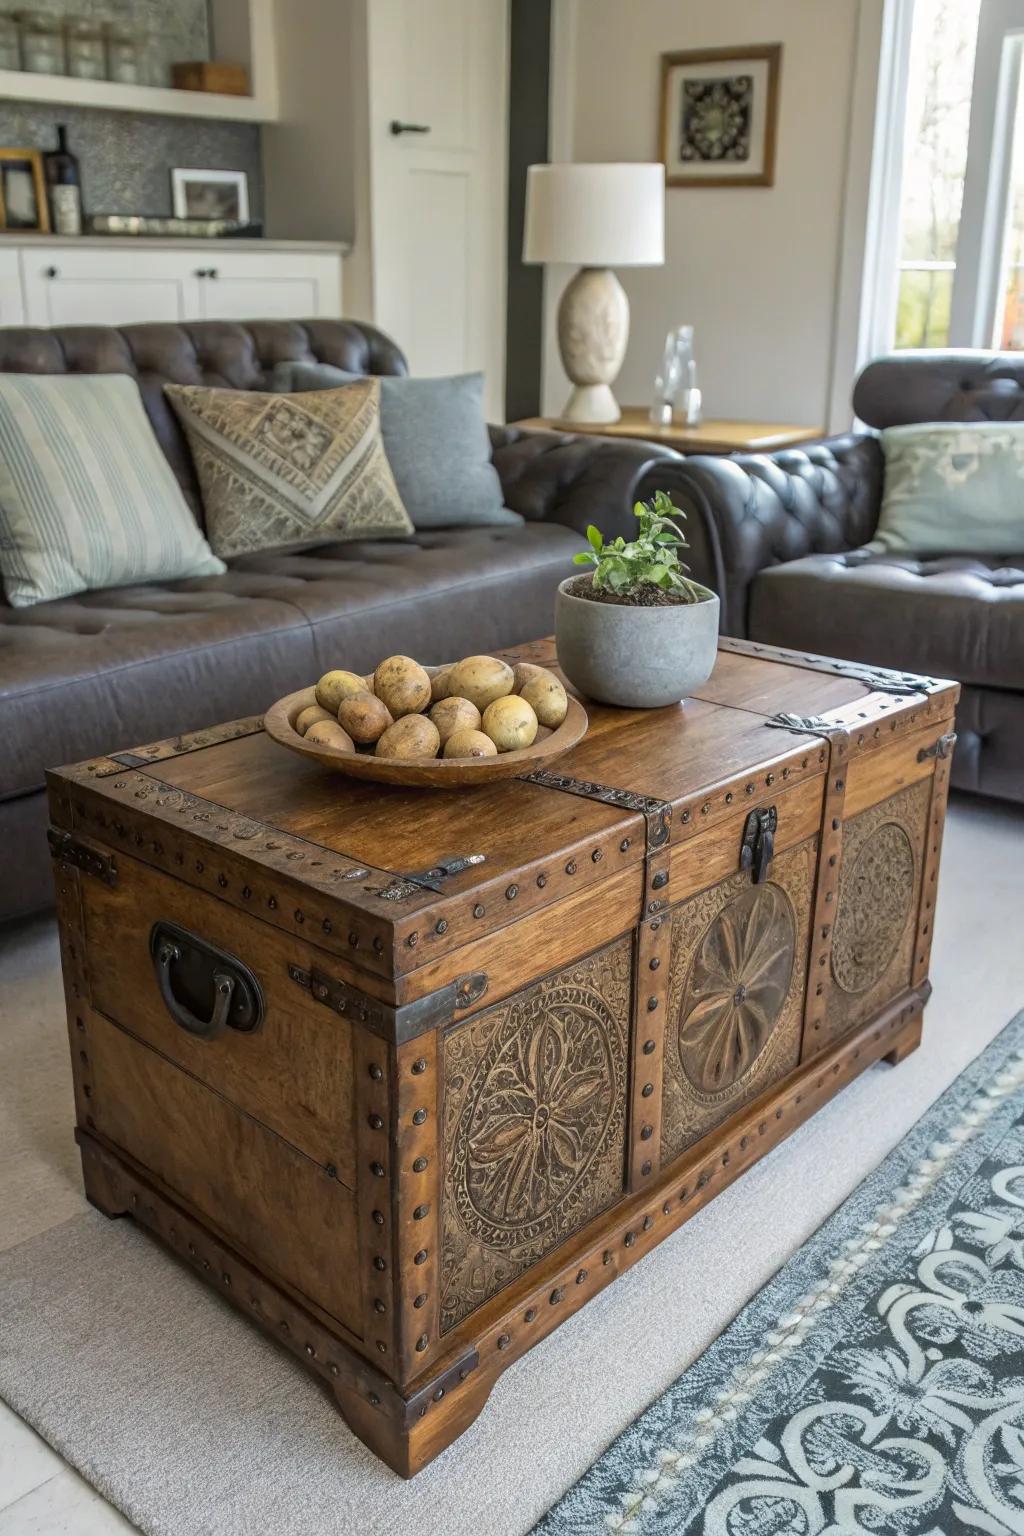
<point x="476" y="707"/>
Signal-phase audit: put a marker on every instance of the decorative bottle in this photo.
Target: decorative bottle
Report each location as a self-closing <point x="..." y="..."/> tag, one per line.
<point x="64" y="185"/>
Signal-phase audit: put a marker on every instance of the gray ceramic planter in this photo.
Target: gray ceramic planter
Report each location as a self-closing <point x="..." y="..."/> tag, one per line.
<point x="639" y="658"/>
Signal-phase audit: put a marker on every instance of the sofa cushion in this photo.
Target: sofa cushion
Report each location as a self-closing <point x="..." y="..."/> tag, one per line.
<point x="435" y="437"/>
<point x="958" y="616"/>
<point x="278" y="470"/>
<point x="953" y="485"/>
<point x="87" y="500"/>
<point x="107" y="671"/>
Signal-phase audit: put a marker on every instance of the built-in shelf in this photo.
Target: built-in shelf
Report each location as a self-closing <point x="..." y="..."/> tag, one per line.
<point x="66" y="90"/>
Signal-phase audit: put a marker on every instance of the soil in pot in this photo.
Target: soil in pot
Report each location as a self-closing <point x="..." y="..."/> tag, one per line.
<point x="646" y="595"/>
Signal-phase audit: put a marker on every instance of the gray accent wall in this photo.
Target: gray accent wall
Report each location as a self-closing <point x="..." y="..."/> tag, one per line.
<point x="529" y="71"/>
<point x="126" y="158"/>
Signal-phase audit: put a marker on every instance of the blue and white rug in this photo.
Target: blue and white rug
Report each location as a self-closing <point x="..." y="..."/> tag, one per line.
<point x="876" y="1385"/>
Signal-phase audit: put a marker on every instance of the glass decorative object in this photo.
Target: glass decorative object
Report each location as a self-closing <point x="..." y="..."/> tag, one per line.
<point x="42" y="43"/>
<point x="688" y="402"/>
<point x="123" y="55"/>
<point x="86" y="51"/>
<point x="666" y="383"/>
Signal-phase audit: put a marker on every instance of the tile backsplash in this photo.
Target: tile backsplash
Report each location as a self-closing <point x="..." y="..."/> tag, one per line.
<point x="127" y="157"/>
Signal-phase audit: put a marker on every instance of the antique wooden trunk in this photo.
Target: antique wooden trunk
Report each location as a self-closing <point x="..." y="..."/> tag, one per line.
<point x="409" y="1077"/>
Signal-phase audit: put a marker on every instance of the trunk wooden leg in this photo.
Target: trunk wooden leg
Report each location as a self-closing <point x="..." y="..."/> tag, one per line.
<point x="102" y="1186"/>
<point x="908" y="1043"/>
<point x="407" y="1449"/>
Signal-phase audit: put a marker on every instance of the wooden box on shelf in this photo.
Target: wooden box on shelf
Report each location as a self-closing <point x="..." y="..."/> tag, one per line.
<point x="409" y="1077"/>
<point x="210" y="75"/>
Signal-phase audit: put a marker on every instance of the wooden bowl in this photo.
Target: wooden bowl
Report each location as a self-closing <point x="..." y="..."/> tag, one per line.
<point x="428" y="773"/>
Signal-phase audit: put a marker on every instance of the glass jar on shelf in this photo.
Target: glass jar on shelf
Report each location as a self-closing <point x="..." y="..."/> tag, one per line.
<point x="42" y="43"/>
<point x="123" y="64"/>
<point x="86" y="49"/>
<point x="10" y="47"/>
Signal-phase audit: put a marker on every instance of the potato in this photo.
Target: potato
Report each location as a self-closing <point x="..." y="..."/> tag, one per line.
<point x="468" y="743"/>
<point x="510" y="723"/>
<point x="410" y="737"/>
<point x="368" y="682"/>
<point x="328" y="733"/>
<point x="335" y="686"/>
<point x="546" y="697"/>
<point x="453" y="714"/>
<point x="439" y="684"/>
<point x="365" y="717"/>
<point x="310" y="715"/>
<point x="522" y="672"/>
<point x="403" y="685"/>
<point x="480" y="679"/>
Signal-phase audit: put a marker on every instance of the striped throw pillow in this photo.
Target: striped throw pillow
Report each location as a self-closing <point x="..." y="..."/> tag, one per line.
<point x="87" y="498"/>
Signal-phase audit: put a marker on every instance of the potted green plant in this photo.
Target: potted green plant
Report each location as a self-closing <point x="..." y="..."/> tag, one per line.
<point x="637" y="631"/>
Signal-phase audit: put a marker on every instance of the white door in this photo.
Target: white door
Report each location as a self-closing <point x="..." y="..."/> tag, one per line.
<point x="12" y="302"/>
<point x="438" y="88"/>
<point x="280" y="285"/>
<point x="106" y="287"/>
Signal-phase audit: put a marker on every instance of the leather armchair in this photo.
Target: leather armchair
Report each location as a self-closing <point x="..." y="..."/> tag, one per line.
<point x="785" y="539"/>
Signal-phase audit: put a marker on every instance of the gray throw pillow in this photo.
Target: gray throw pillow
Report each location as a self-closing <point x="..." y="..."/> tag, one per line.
<point x="435" y="439"/>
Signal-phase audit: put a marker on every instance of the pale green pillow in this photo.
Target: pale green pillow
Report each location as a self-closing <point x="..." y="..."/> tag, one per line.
<point x="87" y="498"/>
<point x="953" y="487"/>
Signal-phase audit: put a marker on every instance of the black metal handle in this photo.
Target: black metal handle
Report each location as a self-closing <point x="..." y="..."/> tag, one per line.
<point x="213" y="272"/>
<point x="204" y="990"/>
<point x="758" y="846"/>
<point x="397" y="127"/>
<point x="51" y="272"/>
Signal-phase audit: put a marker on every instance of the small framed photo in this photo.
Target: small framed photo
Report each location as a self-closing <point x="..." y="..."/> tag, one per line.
<point x="23" y="203"/>
<point x="718" y="116"/>
<point x="210" y="194"/>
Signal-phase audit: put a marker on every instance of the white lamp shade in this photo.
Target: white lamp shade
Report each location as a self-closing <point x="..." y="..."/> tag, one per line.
<point x="595" y="215"/>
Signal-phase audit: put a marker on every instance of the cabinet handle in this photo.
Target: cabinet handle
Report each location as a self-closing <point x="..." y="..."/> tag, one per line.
<point x="202" y="271"/>
<point x="212" y="272"/>
<point x="51" y="272"/>
<point x="188" y="967"/>
<point x="397" y="127"/>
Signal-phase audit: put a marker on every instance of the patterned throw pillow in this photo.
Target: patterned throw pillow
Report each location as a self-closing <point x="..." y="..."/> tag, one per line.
<point x="87" y="499"/>
<point x="953" y="488"/>
<point x="276" y="470"/>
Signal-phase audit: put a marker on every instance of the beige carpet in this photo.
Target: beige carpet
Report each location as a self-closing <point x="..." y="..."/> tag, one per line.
<point x="192" y="1423"/>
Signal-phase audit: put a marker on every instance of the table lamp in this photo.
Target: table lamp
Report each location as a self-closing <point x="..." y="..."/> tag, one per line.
<point x="595" y="217"/>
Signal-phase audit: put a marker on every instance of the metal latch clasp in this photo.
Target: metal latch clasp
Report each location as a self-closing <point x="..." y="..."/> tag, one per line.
<point x="938" y="749"/>
<point x="758" y="844"/>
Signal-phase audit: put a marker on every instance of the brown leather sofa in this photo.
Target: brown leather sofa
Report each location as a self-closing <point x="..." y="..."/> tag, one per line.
<point x="781" y="537"/>
<point x="110" y="670"/>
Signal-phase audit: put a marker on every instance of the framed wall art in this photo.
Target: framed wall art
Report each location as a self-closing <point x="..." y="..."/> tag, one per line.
<point x="718" y="115"/>
<point x="23" y="205"/>
<point x="210" y="194"/>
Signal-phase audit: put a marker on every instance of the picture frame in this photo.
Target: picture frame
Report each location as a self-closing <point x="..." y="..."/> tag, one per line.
<point x="202" y="194"/>
<point x="23" y="204"/>
<point x="719" y="113"/>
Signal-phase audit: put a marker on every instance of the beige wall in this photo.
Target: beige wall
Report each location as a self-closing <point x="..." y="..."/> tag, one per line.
<point x="756" y="270"/>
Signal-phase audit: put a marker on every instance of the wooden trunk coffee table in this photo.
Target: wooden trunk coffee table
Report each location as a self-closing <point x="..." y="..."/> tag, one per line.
<point x="409" y="1077"/>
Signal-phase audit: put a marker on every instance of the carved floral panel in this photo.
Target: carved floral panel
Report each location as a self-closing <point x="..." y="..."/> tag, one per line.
<point x="735" y="996"/>
<point x="535" y="1095"/>
<point x="879" y="889"/>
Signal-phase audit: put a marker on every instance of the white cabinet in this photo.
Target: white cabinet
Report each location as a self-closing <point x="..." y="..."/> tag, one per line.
<point x="65" y="286"/>
<point x="247" y="285"/>
<point x="97" y="282"/>
<point x="12" y="301"/>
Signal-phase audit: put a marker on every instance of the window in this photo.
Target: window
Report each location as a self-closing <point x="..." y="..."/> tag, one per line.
<point x="938" y="109"/>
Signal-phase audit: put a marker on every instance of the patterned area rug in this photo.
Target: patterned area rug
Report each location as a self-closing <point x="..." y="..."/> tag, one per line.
<point x="877" y="1383"/>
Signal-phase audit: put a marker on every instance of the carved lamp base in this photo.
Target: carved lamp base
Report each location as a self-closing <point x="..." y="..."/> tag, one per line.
<point x="593" y="328"/>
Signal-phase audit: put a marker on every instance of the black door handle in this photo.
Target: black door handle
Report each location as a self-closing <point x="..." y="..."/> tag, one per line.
<point x="397" y="127"/>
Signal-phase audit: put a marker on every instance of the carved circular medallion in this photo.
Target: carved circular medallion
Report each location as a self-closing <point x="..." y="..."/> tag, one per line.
<point x="538" y="1113"/>
<point x="737" y="987"/>
<point x="875" y="895"/>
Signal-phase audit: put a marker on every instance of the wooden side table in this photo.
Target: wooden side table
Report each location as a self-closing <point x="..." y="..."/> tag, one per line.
<point x="709" y="437"/>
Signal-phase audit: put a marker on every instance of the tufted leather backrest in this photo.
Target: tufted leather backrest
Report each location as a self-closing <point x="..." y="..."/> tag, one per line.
<point x="217" y="352"/>
<point x="941" y="386"/>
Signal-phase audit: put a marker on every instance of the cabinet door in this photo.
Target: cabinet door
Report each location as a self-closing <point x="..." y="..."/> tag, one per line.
<point x="278" y="285"/>
<point x="12" y="304"/>
<point x="737" y="977"/>
<point x="100" y="287"/>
